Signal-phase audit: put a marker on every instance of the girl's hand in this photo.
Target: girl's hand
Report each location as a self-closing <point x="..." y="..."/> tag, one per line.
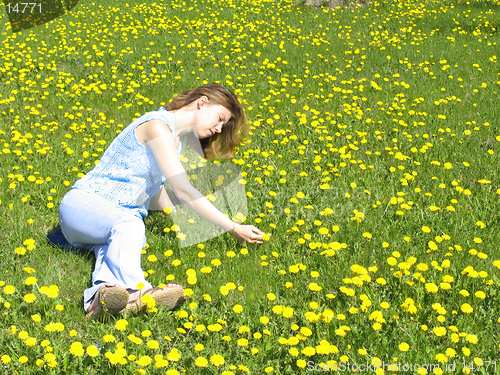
<point x="247" y="233"/>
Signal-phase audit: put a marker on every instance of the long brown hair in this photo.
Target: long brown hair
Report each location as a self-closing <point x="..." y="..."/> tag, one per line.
<point x="221" y="145"/>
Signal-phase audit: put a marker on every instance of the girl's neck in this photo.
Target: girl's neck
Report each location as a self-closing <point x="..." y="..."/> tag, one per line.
<point x="184" y="121"/>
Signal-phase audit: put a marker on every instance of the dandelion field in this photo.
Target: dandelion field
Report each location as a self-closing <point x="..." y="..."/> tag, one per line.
<point x="372" y="162"/>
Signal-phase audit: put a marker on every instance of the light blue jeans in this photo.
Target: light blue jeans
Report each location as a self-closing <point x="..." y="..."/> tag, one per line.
<point x="116" y="237"/>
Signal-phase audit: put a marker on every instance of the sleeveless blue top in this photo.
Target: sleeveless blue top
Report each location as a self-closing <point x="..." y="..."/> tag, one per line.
<point x="127" y="174"/>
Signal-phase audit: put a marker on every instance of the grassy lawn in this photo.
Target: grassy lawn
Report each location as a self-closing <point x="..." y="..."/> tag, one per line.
<point x="373" y="162"/>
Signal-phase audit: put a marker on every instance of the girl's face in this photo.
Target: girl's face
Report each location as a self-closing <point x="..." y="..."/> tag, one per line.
<point x="210" y="118"/>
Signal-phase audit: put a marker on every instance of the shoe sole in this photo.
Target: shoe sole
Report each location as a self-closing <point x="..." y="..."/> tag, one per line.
<point x="169" y="298"/>
<point x="112" y="300"/>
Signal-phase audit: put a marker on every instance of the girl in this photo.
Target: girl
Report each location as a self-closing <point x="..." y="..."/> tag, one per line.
<point x="104" y="211"/>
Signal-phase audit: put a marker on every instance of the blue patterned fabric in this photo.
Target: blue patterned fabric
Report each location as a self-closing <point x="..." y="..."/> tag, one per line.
<point x="127" y="174"/>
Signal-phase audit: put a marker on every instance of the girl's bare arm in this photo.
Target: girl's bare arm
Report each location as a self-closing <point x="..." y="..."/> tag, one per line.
<point x="160" y="140"/>
<point x="161" y="201"/>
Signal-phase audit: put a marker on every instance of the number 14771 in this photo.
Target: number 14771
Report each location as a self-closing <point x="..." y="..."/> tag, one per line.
<point x="24" y="7"/>
<point x="485" y="364"/>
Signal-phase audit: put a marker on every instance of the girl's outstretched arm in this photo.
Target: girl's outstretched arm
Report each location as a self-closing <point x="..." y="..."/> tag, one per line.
<point x="160" y="140"/>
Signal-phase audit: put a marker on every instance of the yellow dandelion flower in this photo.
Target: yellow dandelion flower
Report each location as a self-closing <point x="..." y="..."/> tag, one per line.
<point x="5" y="359"/>
<point x="29" y="298"/>
<point x="466" y="308"/>
<point x="153" y="344"/>
<point x="217" y="360"/>
<point x="36" y="318"/>
<point x="174" y="355"/>
<point x="301" y="363"/>
<point x="480" y="294"/>
<point x="92" y="351"/>
<point x="308" y="351"/>
<point x="287" y="312"/>
<point x="439" y="331"/>
<point x="121" y="325"/>
<point x="404" y="347"/>
<point x="77" y="349"/>
<point x="472" y="339"/>
<point x="9" y="289"/>
<point x="242" y="342"/>
<point x="431" y="287"/>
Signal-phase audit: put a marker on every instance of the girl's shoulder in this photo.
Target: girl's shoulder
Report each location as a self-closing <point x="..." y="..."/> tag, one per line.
<point x="161" y="114"/>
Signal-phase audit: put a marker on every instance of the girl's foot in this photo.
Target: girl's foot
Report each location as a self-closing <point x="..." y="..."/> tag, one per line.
<point x="95" y="301"/>
<point x="109" y="299"/>
<point x="170" y="296"/>
<point x="135" y="295"/>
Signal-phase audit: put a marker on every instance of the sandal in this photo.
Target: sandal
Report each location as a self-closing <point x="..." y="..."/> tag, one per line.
<point x="111" y="299"/>
<point x="170" y="298"/>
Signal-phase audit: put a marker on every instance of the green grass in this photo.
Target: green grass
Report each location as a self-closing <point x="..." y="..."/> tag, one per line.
<point x="390" y="110"/>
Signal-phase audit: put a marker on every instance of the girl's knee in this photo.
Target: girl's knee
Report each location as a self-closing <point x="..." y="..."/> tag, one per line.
<point x="131" y="228"/>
